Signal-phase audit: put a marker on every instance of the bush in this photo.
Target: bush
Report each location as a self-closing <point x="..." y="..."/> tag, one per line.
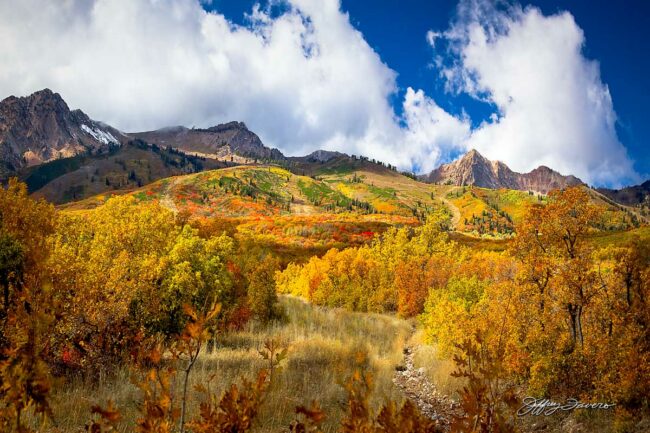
<point x="262" y="298"/>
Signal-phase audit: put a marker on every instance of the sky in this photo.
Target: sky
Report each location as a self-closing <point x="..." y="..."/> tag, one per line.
<point x="412" y="83"/>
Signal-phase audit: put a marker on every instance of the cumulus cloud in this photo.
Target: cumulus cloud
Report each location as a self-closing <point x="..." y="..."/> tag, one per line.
<point x="431" y="133"/>
<point x="552" y="106"/>
<point x="305" y="79"/>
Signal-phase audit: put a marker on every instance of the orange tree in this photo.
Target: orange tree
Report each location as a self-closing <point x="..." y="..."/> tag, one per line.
<point x="365" y="278"/>
<point x="586" y="322"/>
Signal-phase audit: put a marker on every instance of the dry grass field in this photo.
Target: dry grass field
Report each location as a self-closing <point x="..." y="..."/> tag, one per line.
<point x="322" y="344"/>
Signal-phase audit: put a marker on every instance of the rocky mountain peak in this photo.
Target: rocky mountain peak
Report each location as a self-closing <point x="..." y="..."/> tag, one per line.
<point x="40" y="127"/>
<point x="46" y="95"/>
<point x="234" y="125"/>
<point x="42" y="102"/>
<point x="222" y="141"/>
<point x="474" y="155"/>
<point x="475" y="169"/>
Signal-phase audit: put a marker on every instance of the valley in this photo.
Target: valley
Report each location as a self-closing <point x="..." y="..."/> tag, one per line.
<point x="324" y="216"/>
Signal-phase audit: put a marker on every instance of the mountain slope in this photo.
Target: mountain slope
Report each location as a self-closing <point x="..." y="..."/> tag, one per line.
<point x="254" y="190"/>
<point x="631" y="195"/>
<point x="222" y="141"/>
<point x="129" y="166"/>
<point x="474" y="169"/>
<point x="277" y="208"/>
<point x="41" y="128"/>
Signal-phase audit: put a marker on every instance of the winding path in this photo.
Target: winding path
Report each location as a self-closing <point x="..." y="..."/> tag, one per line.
<point x="455" y="213"/>
<point x="417" y="387"/>
<point x="167" y="199"/>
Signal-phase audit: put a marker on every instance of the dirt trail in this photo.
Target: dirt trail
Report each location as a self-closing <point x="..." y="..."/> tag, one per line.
<point x="299" y="207"/>
<point x="167" y="200"/>
<point x="455" y="213"/>
<point x="417" y="387"/>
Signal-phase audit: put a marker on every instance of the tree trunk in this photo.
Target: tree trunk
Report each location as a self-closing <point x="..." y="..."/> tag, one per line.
<point x="579" y="326"/>
<point x="184" y="400"/>
<point x="575" y="323"/>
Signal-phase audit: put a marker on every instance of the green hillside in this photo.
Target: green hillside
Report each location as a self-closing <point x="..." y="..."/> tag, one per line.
<point x="349" y="189"/>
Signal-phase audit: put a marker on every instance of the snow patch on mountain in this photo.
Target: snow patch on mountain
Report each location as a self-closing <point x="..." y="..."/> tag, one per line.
<point x="99" y="135"/>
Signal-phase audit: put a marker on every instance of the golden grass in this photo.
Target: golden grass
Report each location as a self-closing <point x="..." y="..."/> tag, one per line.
<point x="322" y="346"/>
<point x="604" y="239"/>
<point x="436" y="368"/>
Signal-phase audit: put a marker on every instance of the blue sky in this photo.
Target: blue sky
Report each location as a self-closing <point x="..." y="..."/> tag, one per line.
<point x="617" y="34"/>
<point x="412" y="83"/>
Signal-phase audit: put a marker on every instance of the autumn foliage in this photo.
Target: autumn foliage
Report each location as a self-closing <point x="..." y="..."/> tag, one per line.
<point x="132" y="284"/>
<point x="569" y="319"/>
<point x="388" y="275"/>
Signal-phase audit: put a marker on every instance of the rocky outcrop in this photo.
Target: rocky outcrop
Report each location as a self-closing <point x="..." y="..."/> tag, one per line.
<point x="416" y="386"/>
<point x="474" y="169"/>
<point x="40" y="128"/>
<point x="544" y="179"/>
<point x="323" y="156"/>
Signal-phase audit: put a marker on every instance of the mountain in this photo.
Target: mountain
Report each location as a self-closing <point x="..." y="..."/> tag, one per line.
<point x="256" y="190"/>
<point x="222" y="141"/>
<point x="41" y="127"/>
<point x="631" y="195"/>
<point x="474" y="169"/>
<point x="64" y="155"/>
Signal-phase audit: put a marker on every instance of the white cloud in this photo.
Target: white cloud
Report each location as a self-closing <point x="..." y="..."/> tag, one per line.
<point x="432" y="36"/>
<point x="307" y="79"/>
<point x="431" y="133"/>
<point x="553" y="107"/>
<point x="303" y="80"/>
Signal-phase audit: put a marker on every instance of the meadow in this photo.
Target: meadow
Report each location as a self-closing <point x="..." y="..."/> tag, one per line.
<point x="322" y="345"/>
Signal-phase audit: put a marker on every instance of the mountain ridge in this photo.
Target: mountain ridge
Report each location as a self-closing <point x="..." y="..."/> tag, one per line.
<point x="475" y="169"/>
<point x="632" y="195"/>
<point x="41" y="128"/>
<point x="221" y="141"/>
